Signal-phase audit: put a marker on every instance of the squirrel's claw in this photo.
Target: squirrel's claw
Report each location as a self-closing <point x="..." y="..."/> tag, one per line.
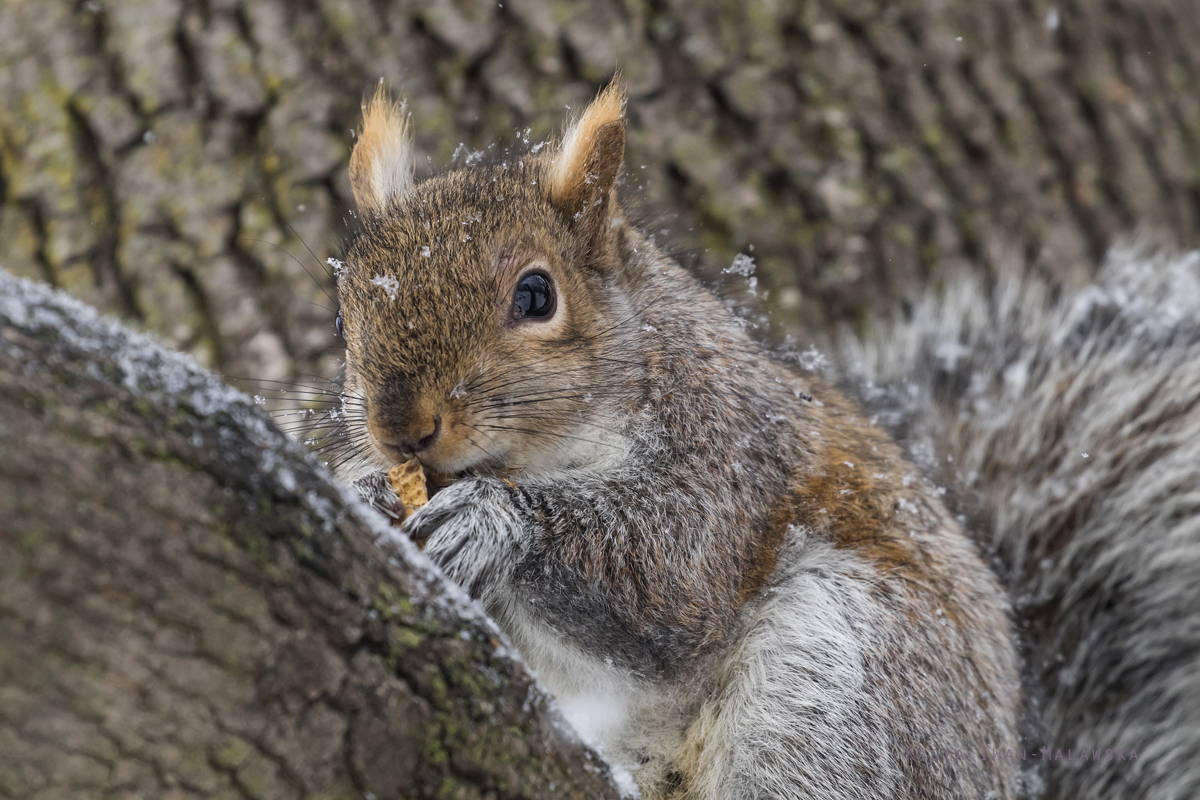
<point x="375" y="491"/>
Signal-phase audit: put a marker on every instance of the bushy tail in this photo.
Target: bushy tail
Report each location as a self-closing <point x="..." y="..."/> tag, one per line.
<point x="1067" y="429"/>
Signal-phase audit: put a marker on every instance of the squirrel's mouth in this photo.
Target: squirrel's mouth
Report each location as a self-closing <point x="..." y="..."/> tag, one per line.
<point x="443" y="445"/>
<point x="450" y="460"/>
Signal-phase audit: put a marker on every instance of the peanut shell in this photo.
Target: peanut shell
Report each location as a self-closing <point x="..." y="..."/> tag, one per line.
<point x="408" y="481"/>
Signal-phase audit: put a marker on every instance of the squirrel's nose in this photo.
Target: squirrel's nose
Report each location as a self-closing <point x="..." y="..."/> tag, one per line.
<point x="411" y="440"/>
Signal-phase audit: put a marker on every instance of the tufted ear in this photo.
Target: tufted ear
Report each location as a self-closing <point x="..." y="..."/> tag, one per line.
<point x="586" y="166"/>
<point x="381" y="166"/>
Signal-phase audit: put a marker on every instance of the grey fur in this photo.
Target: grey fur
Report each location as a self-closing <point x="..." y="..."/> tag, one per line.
<point x="1073" y="425"/>
<point x="619" y="578"/>
<point x="736" y="584"/>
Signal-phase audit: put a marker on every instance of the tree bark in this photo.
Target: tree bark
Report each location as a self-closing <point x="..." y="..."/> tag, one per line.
<point x="189" y="609"/>
<point x="175" y="161"/>
<point x="179" y="618"/>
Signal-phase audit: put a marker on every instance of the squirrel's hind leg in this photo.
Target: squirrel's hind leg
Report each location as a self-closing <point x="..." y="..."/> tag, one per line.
<point x="840" y="687"/>
<point x="789" y="715"/>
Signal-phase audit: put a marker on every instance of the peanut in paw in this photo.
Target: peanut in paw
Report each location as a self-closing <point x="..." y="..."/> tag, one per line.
<point x="408" y="482"/>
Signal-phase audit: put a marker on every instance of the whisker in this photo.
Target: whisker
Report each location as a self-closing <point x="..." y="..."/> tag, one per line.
<point x="328" y="272"/>
<point x="531" y="401"/>
<point x="535" y="432"/>
<point x="337" y="462"/>
<point x="342" y="448"/>
<point x="536" y="417"/>
<point x="304" y="395"/>
<point x="529" y="391"/>
<point x="298" y="261"/>
<point x="478" y="446"/>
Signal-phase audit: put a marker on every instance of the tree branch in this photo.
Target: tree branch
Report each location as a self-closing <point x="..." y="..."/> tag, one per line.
<point x="188" y="607"/>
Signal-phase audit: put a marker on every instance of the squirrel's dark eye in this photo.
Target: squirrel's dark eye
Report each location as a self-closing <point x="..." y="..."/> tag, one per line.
<point x="534" y="297"/>
<point x="337" y="323"/>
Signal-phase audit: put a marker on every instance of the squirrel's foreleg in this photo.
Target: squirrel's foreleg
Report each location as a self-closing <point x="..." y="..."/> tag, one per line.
<point x="473" y="531"/>
<point x="634" y="571"/>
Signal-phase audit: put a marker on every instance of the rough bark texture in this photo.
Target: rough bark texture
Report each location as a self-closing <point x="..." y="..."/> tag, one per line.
<point x="188" y="609"/>
<point x="165" y="159"/>
<point x="173" y="623"/>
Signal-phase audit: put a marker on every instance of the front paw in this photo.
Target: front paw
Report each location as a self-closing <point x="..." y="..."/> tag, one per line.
<point x="375" y="490"/>
<point x="471" y="530"/>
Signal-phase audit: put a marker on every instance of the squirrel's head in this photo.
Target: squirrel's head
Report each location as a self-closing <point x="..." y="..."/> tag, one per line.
<point x="478" y="307"/>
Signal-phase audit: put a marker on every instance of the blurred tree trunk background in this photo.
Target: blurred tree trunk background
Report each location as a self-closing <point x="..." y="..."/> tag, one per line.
<point x="175" y="161"/>
<point x="169" y="622"/>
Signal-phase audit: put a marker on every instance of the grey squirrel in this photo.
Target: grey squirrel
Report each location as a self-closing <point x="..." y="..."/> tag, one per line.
<point x="734" y="582"/>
